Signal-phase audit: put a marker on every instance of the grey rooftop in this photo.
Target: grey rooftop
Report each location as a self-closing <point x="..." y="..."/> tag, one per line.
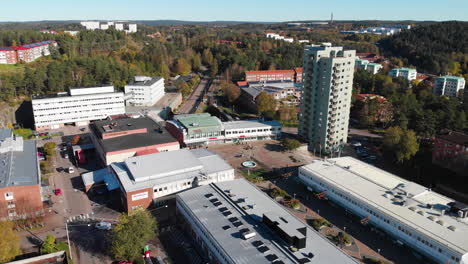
<point x="227" y="211"/>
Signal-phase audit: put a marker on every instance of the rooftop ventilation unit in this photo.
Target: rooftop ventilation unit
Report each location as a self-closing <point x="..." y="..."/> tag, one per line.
<point x="440" y="222"/>
<point x="421" y="213"/>
<point x="453" y="228"/>
<point x="432" y="218"/>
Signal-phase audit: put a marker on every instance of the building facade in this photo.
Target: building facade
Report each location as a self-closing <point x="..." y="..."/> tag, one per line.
<point x="146" y="178"/>
<point x="451" y="151"/>
<point x="429" y="223"/>
<point x="25" y="53"/>
<point x="407" y="73"/>
<point x="448" y="85"/>
<point x="20" y="189"/>
<point x="78" y="106"/>
<point x="326" y="96"/>
<point x="145" y="91"/>
<point x="234" y="222"/>
<point x="196" y="130"/>
<point x="274" y="75"/>
<point x="117" y="139"/>
<point x="284" y="91"/>
<point x="367" y="66"/>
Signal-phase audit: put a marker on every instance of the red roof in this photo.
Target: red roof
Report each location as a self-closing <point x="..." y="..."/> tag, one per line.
<point x="242" y="83"/>
<point x="146" y="152"/>
<point x="270" y="72"/>
<point x="298" y="69"/>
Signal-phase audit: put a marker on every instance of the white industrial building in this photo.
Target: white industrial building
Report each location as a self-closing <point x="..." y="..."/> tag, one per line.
<point x="448" y="85"/>
<point x="432" y="224"/>
<point x="145" y="91"/>
<point x="78" y="106"/>
<point x="407" y="73"/>
<point x="91" y="25"/>
<point x="144" y="178"/>
<point x="234" y="222"/>
<point x="104" y="25"/>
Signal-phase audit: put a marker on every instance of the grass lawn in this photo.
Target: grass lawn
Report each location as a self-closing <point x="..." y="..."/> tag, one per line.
<point x="11" y="68"/>
<point x="23" y="132"/>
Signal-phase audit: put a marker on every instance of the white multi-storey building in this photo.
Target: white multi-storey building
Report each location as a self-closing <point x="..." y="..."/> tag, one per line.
<point x="132" y="28"/>
<point x="367" y="66"/>
<point x="78" y="106"/>
<point x="406" y="73"/>
<point x="448" y="85"/>
<point x="415" y="216"/>
<point x="119" y="26"/>
<point x="326" y="96"/>
<point x="91" y="25"/>
<point x="145" y="91"/>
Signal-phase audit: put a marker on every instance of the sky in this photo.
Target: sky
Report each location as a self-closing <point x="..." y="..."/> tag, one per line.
<point x="233" y="10"/>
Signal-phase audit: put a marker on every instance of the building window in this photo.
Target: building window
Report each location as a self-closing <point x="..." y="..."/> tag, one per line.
<point x="10" y="204"/>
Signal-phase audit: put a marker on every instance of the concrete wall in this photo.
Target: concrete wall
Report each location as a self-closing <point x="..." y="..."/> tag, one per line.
<point x="26" y="199"/>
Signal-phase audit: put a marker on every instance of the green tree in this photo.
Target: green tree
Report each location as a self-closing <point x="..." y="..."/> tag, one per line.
<point x="49" y="245"/>
<point x="214" y="69"/>
<point x="265" y="103"/>
<point x="185" y="89"/>
<point x="290" y="144"/>
<point x="50" y="148"/>
<point x="132" y="233"/>
<point x="196" y="62"/>
<point x="400" y="144"/>
<point x="9" y="242"/>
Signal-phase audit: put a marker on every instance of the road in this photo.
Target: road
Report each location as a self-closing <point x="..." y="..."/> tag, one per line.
<point x="191" y="104"/>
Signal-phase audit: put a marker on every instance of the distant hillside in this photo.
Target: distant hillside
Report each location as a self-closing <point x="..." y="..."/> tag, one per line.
<point x="437" y="48"/>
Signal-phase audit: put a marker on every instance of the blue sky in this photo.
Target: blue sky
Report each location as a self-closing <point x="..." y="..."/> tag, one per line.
<point x="238" y="10"/>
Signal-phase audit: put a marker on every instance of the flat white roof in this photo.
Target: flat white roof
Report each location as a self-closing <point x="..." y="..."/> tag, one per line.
<point x="375" y="187"/>
<point x="233" y="125"/>
<point x="226" y="209"/>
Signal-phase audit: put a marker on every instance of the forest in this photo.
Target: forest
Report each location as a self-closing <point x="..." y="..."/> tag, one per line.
<point x="438" y="48"/>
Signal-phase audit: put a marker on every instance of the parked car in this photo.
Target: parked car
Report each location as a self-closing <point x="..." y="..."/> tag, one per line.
<point x="82" y="129"/>
<point x="58" y="192"/>
<point x="71" y="170"/>
<point x="104" y="225"/>
<point x="41" y="158"/>
<point x="60" y="169"/>
<point x="125" y="262"/>
<point x="65" y="155"/>
<point x="356" y="144"/>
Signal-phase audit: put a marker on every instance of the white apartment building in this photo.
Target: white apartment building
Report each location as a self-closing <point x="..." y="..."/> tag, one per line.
<point x="430" y="223"/>
<point x="448" y="85"/>
<point x="367" y="66"/>
<point x="326" y="96"/>
<point x="119" y="26"/>
<point x="78" y="106"/>
<point x="132" y="28"/>
<point x="145" y="91"/>
<point x="91" y="25"/>
<point x="406" y="73"/>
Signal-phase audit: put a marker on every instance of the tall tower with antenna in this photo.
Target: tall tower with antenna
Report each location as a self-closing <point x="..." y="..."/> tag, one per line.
<point x="331" y="20"/>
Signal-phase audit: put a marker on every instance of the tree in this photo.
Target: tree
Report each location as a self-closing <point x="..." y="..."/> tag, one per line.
<point x="265" y="103"/>
<point x="9" y="242"/>
<point x="49" y="148"/>
<point x="182" y="67"/>
<point x="49" y="244"/>
<point x="132" y="233"/>
<point x="290" y="144"/>
<point x="196" y="62"/>
<point x="214" y="69"/>
<point x="185" y="89"/>
<point x="401" y="144"/>
<point x="231" y="91"/>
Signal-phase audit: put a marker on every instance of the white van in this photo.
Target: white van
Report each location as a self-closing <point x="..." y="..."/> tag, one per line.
<point x="71" y="170"/>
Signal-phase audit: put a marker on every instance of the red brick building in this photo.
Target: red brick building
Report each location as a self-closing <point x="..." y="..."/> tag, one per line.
<point x="274" y="76"/>
<point x="451" y="151"/>
<point x="26" y="53"/>
<point x="20" y="191"/>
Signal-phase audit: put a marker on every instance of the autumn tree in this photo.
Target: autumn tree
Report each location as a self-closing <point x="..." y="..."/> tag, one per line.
<point x="290" y="144"/>
<point x="266" y="104"/>
<point x="196" y="62"/>
<point x="182" y="67"/>
<point x="214" y="69"/>
<point x="231" y="91"/>
<point x="185" y="89"/>
<point x="9" y="242"/>
<point x="132" y="233"/>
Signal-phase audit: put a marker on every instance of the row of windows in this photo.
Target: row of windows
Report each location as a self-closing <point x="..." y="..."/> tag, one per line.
<point x="79" y="106"/>
<point x="378" y="216"/>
